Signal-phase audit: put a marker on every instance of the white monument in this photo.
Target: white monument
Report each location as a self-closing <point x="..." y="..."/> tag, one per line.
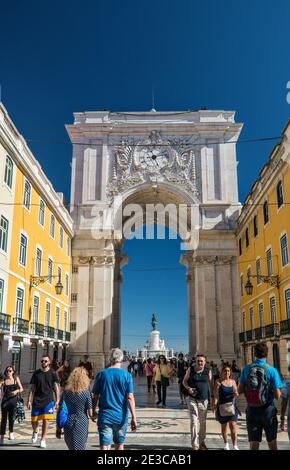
<point x="155" y="346"/>
<point x="184" y="159"/>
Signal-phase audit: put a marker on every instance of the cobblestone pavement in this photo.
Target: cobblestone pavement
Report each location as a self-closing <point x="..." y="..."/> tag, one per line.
<point x="157" y="428"/>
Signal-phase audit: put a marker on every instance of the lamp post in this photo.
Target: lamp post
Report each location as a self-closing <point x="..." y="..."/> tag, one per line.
<point x="36" y="280"/>
<point x="274" y="281"/>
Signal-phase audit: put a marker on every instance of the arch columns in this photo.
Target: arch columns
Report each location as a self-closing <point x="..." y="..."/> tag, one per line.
<point x="213" y="325"/>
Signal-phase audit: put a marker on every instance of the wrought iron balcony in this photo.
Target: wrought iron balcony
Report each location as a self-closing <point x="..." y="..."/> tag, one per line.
<point x="259" y="333"/>
<point x="285" y="327"/>
<point x="272" y="330"/>
<point x="242" y="336"/>
<point x="49" y="332"/>
<point x="60" y="335"/>
<point x="249" y="335"/>
<point x="37" y="329"/>
<point x="5" y="321"/>
<point x="20" y="326"/>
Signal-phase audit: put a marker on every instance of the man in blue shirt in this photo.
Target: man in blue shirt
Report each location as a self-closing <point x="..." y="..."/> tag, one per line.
<point x="261" y="384"/>
<point x="113" y="392"/>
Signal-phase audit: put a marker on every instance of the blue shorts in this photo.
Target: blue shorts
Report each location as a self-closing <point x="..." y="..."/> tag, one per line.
<point x="259" y="419"/>
<point x="110" y="433"/>
<point x="46" y="412"/>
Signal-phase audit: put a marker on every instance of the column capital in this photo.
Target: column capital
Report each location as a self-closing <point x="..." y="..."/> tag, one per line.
<point x="102" y="260"/>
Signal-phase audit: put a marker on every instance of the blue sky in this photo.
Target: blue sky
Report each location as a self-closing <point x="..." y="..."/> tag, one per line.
<point x="61" y="57"/>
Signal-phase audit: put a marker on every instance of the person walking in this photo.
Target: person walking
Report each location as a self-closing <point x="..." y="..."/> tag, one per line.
<point x="87" y="365"/>
<point x="63" y="373"/>
<point x="161" y="376"/>
<point x="284" y="401"/>
<point x="261" y="383"/>
<point x="113" y="392"/>
<point x="225" y="392"/>
<point x="11" y="387"/>
<point x="182" y="367"/>
<point x="43" y="397"/>
<point x="149" y="367"/>
<point x="78" y="401"/>
<point x="198" y="382"/>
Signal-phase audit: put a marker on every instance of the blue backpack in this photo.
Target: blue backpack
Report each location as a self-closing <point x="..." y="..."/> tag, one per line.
<point x="62" y="415"/>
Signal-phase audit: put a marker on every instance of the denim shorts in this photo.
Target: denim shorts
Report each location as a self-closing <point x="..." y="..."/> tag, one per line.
<point x="259" y="419"/>
<point x="112" y="433"/>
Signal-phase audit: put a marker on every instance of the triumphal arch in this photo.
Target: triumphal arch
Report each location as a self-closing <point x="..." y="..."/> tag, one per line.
<point x="135" y="168"/>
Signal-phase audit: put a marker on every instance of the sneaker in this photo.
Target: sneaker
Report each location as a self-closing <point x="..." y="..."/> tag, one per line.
<point x="11" y="436"/>
<point x="34" y="437"/>
<point x="158" y="402"/>
<point x="227" y="446"/>
<point x="236" y="448"/>
<point x="42" y="445"/>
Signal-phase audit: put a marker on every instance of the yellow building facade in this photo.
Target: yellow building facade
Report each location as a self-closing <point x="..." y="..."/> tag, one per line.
<point x="264" y="260"/>
<point x="35" y="255"/>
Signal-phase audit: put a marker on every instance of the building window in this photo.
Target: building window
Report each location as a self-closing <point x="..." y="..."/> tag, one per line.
<point x="61" y="237"/>
<point x="280" y="197"/>
<point x="269" y="262"/>
<point x="67" y="246"/>
<point x="258" y="271"/>
<point x="38" y="262"/>
<point x="273" y="312"/>
<point x="47" y="313"/>
<point x="247" y="237"/>
<point x="284" y="250"/>
<point x="52" y="226"/>
<point x="74" y="297"/>
<point x="35" y="309"/>
<point x="8" y="177"/>
<point x="266" y="212"/>
<point x="287" y="302"/>
<point x="4" y="225"/>
<point x="242" y="285"/>
<point x="66" y="284"/>
<point x="27" y="195"/>
<point x="16" y="356"/>
<point x="57" y="318"/>
<point x="50" y="269"/>
<point x="261" y="314"/>
<point x="243" y="321"/>
<point x="75" y="269"/>
<point x="240" y="247"/>
<point x="59" y="273"/>
<point x="33" y="357"/>
<point x="19" y="302"/>
<point x="1" y="294"/>
<point x="249" y="273"/>
<point x="65" y="322"/>
<point x="256" y="229"/>
<point x="252" y="322"/>
<point x="22" y="249"/>
<point x="73" y="326"/>
<point x="41" y="212"/>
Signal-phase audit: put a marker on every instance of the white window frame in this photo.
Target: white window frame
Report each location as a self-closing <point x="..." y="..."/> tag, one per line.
<point x="23" y="250"/>
<point x="4" y="234"/>
<point x="27" y="195"/>
<point x="273" y="316"/>
<point x="61" y="234"/>
<point x="67" y="246"/>
<point x="38" y="273"/>
<point x="8" y="175"/>
<point x="35" y="312"/>
<point x="41" y="213"/>
<point x="258" y="271"/>
<point x="269" y="262"/>
<point x="47" y="302"/>
<point x="283" y="249"/>
<point x="244" y="325"/>
<point x="66" y="284"/>
<point x="57" y="317"/>
<point x="49" y="258"/>
<point x="19" y="301"/>
<point x="52" y="225"/>
<point x="261" y="310"/>
<point x="252" y="318"/>
<point x="2" y="287"/>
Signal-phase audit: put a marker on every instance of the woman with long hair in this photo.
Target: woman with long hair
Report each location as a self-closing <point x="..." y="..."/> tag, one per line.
<point x="11" y="386"/>
<point x="161" y="375"/>
<point x="225" y="393"/>
<point x="78" y="401"/>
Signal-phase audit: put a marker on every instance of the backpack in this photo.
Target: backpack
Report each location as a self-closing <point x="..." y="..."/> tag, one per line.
<point x="256" y="386"/>
<point x="62" y="415"/>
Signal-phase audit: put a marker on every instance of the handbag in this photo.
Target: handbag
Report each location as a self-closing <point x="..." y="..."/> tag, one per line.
<point x="19" y="410"/>
<point x="227" y="409"/>
<point x="62" y="415"/>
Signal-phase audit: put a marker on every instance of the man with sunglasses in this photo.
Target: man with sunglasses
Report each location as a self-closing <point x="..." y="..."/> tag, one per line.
<point x="44" y="393"/>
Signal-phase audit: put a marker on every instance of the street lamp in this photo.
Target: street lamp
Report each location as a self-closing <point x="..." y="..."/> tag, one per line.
<point x="272" y="280"/>
<point x="36" y="280"/>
